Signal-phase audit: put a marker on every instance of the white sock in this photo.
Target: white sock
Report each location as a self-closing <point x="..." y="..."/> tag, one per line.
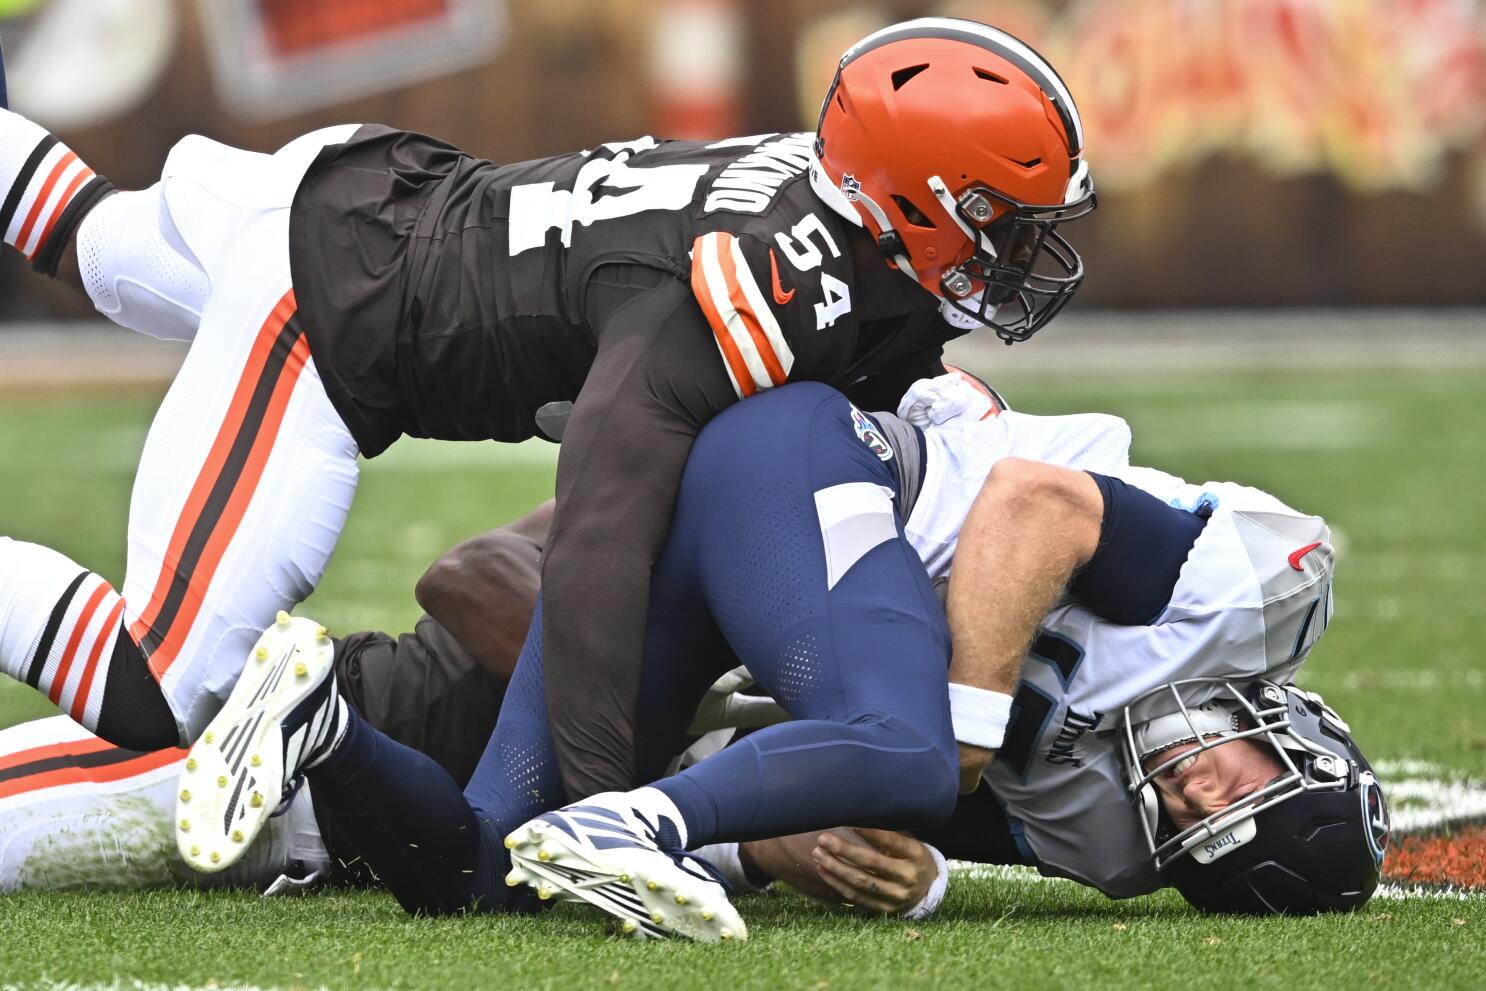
<point x="330" y="735"/>
<point x="39" y="177"/>
<point x="654" y="804"/>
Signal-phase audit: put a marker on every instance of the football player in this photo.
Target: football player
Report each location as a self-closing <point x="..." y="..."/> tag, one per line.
<point x="364" y="283"/>
<point x="808" y="559"/>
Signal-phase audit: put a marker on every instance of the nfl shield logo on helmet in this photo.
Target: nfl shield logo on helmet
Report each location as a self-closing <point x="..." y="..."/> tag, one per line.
<point x="850" y="187"/>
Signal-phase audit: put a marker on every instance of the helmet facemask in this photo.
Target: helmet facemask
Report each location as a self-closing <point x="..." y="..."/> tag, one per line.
<point x="1021" y="271"/>
<point x="1289" y="721"/>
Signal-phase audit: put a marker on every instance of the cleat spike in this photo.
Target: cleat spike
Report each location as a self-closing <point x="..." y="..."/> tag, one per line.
<point x="544" y="893"/>
<point x="725" y="935"/>
<point x="185" y="825"/>
<point x="221" y="781"/>
<point x="629" y="926"/>
<point x="624" y="879"/>
<point x="195" y="851"/>
<point x="256" y="761"/>
<point x="657" y="918"/>
<point x="512" y="842"/>
<point x="209" y="736"/>
<point x="237" y="836"/>
<point x="256" y="801"/>
<point x="680" y="899"/>
<point x="707" y="916"/>
<point x="543" y="855"/>
<point x="185" y="794"/>
<point x="513" y="879"/>
<point x="261" y="653"/>
<point x="321" y="632"/>
<point x="282" y="618"/>
<point x="651" y="886"/>
<point x="216" y="857"/>
<point x="190" y="763"/>
<point x="300" y="671"/>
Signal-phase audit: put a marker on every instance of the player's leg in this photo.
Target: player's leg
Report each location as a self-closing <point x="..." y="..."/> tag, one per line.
<point x="414" y="825"/>
<point x="77" y="813"/>
<point x="804" y="565"/>
<point x="243" y="486"/>
<point x="440" y="851"/>
<point x="392" y="806"/>
<point x="797" y="555"/>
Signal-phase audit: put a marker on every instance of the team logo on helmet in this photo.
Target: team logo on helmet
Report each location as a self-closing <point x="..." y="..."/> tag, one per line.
<point x="1375" y="812"/>
<point x="851" y="187"/>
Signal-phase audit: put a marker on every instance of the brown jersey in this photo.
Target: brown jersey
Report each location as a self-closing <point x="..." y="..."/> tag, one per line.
<point x="648" y="283"/>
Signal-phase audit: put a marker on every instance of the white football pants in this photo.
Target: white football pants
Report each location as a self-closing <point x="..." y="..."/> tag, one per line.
<point x="248" y="472"/>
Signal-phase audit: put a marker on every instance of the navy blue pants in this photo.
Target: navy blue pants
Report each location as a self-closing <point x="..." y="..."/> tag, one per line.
<point x="787" y="555"/>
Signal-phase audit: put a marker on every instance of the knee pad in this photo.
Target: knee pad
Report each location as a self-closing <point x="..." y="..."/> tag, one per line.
<point x="137" y="269"/>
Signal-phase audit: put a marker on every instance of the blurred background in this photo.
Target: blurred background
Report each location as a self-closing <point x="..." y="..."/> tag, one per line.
<point x="1251" y="153"/>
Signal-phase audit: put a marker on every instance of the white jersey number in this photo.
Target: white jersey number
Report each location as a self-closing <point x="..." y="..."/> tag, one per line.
<point x="806" y="256"/>
<point x="538" y="207"/>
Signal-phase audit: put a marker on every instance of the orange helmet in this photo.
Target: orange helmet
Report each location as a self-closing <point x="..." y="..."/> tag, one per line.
<point x="960" y="149"/>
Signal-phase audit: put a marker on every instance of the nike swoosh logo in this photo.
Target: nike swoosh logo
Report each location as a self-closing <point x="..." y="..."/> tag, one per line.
<point x="1295" y="558"/>
<point x="780" y="296"/>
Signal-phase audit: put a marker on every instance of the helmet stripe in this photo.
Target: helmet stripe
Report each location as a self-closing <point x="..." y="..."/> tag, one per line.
<point x="998" y="42"/>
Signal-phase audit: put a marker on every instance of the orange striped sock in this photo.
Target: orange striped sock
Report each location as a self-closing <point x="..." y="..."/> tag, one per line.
<point x="43" y="185"/>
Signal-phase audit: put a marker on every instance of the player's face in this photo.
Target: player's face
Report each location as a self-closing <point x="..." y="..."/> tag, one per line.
<point x="1212" y="780"/>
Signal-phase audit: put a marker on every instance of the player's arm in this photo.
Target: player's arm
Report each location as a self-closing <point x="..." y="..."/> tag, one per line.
<point x="484" y="589"/>
<point x="1030" y="528"/>
<point x="655" y="381"/>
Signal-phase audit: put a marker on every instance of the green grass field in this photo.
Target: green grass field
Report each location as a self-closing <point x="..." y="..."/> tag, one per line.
<point x="1396" y="463"/>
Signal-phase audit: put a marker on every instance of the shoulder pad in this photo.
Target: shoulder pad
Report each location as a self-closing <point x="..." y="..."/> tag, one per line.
<point x="737" y="282"/>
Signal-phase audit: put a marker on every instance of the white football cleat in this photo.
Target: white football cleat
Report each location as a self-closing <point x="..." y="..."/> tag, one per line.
<point x="282" y="716"/>
<point x="609" y="857"/>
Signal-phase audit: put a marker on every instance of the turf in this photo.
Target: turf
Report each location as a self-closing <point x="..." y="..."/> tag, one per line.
<point x="1393" y="461"/>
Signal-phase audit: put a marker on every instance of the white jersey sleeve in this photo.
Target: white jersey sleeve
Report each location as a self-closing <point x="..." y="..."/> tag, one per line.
<point x="959" y="454"/>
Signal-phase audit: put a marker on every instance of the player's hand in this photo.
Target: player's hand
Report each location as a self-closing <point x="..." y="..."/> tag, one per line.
<point x="973" y="763"/>
<point x="887" y="872"/>
<point x="929" y="402"/>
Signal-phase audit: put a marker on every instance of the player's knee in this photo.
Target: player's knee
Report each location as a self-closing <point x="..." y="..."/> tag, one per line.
<point x="136" y="268"/>
<point x="925" y="777"/>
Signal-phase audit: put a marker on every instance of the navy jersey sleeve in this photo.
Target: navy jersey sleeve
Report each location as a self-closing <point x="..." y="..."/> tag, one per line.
<point x="655" y="382"/>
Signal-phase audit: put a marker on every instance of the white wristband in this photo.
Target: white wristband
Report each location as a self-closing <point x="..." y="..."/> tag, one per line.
<point x="725" y="857"/>
<point x="979" y="717"/>
<point x="935" y="895"/>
